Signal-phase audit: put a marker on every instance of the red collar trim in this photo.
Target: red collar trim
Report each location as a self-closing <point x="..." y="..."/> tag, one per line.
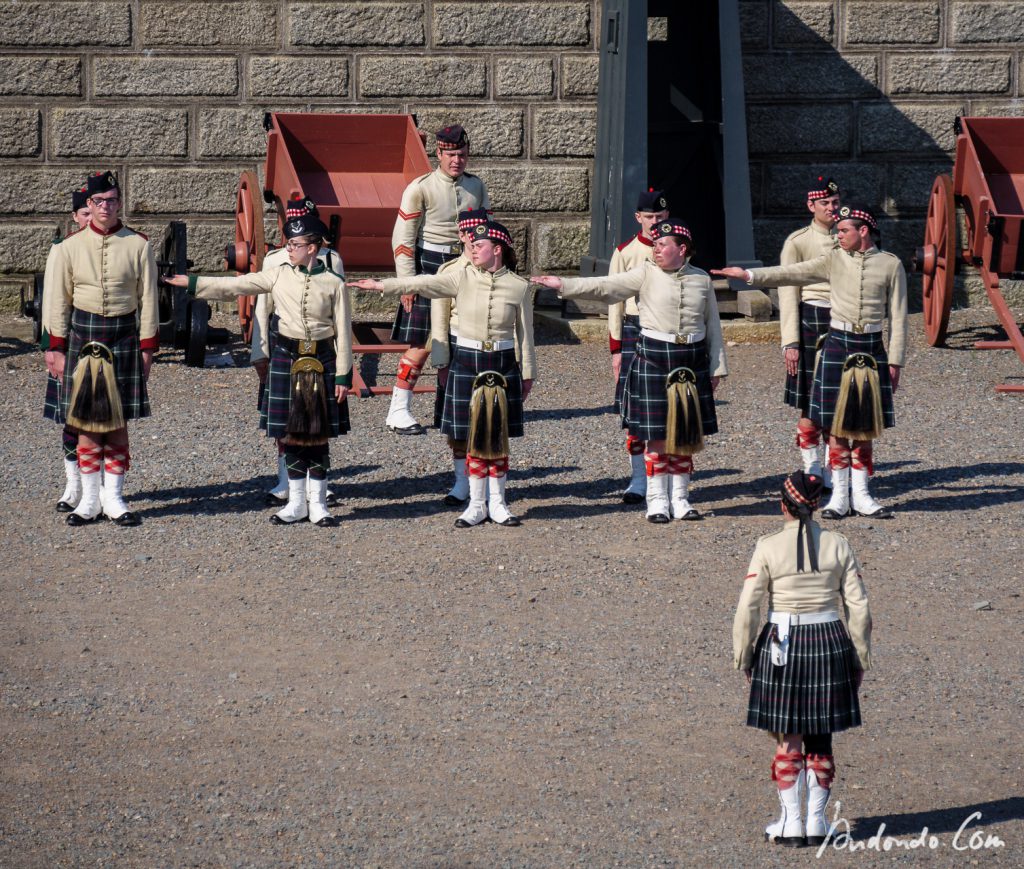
<point x="117" y="227"/>
<point x="640" y="238"/>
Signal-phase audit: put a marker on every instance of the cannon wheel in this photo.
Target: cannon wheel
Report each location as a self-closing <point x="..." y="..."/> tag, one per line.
<point x="938" y="260"/>
<point x="250" y="242"/>
<point x="198" y="318"/>
<point x="33" y="307"/>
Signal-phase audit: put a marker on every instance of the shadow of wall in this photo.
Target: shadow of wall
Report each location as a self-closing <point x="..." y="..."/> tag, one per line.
<point x="867" y="93"/>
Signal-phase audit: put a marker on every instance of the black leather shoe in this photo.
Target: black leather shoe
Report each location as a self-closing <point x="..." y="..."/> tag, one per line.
<point x="511" y="522"/>
<point x="832" y="514"/>
<point x="632" y="498"/>
<point x="271" y="500"/>
<point x="326" y="522"/>
<point x="691" y="515"/>
<point x="452" y="501"/>
<point x="127" y="520"/>
<point x="880" y="513"/>
<point x="658" y="519"/>
<point x="332" y="499"/>
<point x="74" y="520"/>
<point x="416" y="429"/>
<point x="277" y="520"/>
<point x="64" y="507"/>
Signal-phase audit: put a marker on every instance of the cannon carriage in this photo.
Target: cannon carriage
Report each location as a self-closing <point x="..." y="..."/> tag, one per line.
<point x="987" y="186"/>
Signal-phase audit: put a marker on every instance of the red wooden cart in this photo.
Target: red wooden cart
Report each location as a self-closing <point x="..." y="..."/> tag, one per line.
<point x="988" y="184"/>
<point x="354" y="167"/>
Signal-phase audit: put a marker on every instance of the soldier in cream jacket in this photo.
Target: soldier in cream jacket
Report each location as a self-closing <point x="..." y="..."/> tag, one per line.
<point x="495" y="321"/>
<point x="852" y="395"/>
<point x="101" y="327"/>
<point x="624" y="325"/>
<point x="680" y="345"/>
<point x="804" y="314"/>
<point x="425" y="237"/>
<point x="310" y="363"/>
<point x="804" y="667"/>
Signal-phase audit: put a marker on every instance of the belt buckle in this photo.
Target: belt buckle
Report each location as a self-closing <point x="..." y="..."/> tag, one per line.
<point x="456" y="248"/>
<point x="307" y="348"/>
<point x="487" y="345"/>
<point x="681" y="339"/>
<point x="858" y="329"/>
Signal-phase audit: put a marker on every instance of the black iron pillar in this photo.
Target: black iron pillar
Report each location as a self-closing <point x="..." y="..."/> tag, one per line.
<point x="672" y="116"/>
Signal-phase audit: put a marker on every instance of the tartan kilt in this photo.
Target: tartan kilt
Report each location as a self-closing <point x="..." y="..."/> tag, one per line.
<point x="413" y="327"/>
<point x="121" y="335"/>
<point x="813" y="324"/>
<point x="837" y="348"/>
<point x="466" y="365"/>
<point x="261" y="387"/>
<point x="439" y="390"/>
<point x="815" y="691"/>
<point x="645" y="403"/>
<point x="274" y="415"/>
<point x="630" y="332"/>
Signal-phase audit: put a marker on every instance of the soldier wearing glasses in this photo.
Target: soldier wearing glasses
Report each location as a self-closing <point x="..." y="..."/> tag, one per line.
<point x="100" y="315"/>
<point x="425" y="237"/>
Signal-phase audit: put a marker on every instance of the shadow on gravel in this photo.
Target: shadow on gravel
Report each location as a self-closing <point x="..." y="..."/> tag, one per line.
<point x="966" y="496"/>
<point x="567" y="413"/>
<point x="10" y="347"/>
<point x="963" y="339"/>
<point x="942" y="820"/>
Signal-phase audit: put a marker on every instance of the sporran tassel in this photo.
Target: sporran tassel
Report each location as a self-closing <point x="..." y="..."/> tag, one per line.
<point x="858" y="413"/>
<point x="308" y="419"/>
<point x="488" y="417"/>
<point x="95" y="403"/>
<point x="684" y="427"/>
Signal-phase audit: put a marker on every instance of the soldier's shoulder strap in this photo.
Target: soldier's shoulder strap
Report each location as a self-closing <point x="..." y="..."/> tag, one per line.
<point x="625" y="244"/>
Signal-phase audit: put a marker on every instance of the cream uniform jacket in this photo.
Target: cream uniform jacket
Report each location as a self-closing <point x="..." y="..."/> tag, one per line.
<point x="807" y="243"/>
<point x="429" y="212"/>
<point x="312" y="305"/>
<point x="108" y="273"/>
<point x="493" y="306"/>
<point x="633" y="253"/>
<point x="681" y="302"/>
<point x="866" y="287"/>
<point x="260" y="346"/>
<point x="836" y="586"/>
<point x="444" y="317"/>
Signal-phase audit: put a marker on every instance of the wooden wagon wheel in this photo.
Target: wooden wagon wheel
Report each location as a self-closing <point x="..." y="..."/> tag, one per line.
<point x="246" y="254"/>
<point x="937" y="260"/>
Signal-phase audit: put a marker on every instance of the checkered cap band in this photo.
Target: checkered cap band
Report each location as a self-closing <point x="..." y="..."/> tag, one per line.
<point x="802" y="490"/>
<point x="825" y="188"/>
<point x="671" y="227"/>
<point x="848" y="212"/>
<point x="451" y="138"/>
<point x="299" y="208"/>
<point x="493" y="231"/>
<point x="469" y="219"/>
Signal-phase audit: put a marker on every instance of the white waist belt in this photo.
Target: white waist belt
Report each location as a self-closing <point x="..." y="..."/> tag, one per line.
<point x="779" y="646"/>
<point x="438" y="248"/>
<point x="672" y="337"/>
<point x="803" y="618"/>
<point x="857" y="328"/>
<point x="506" y="344"/>
<point x="818" y="303"/>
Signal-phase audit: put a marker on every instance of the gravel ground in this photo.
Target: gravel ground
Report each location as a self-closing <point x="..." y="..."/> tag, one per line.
<point x="209" y="689"/>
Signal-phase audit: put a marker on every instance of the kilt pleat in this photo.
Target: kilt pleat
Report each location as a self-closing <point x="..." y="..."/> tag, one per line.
<point x="815" y="691"/>
<point x="121" y="335"/>
<point x="813" y="324"/>
<point x="630" y="332"/>
<point x="465" y="366"/>
<point x="413" y="327"/>
<point x="277" y="403"/>
<point x="838" y="347"/>
<point x="261" y="388"/>
<point x="645" y="403"/>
